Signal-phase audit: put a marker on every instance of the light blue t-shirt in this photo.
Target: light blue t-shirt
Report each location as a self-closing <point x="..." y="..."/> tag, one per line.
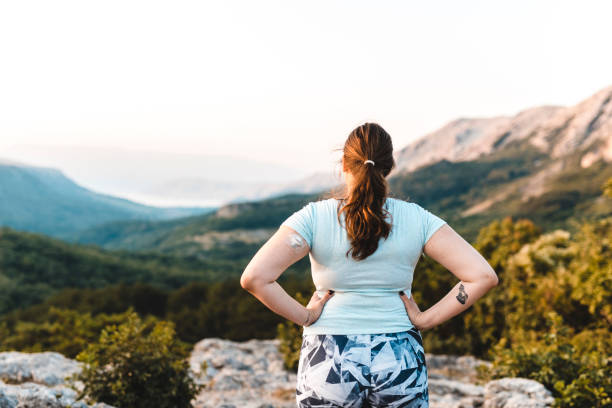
<point x="366" y="299"/>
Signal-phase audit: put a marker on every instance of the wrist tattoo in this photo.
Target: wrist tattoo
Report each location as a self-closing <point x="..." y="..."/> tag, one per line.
<point x="462" y="296"/>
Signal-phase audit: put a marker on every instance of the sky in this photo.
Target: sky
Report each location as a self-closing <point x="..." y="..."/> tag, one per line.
<point x="284" y="82"/>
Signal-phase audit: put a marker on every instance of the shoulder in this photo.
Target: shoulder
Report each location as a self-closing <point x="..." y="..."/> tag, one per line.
<point x="324" y="203"/>
<point x="318" y="206"/>
<point x="397" y="202"/>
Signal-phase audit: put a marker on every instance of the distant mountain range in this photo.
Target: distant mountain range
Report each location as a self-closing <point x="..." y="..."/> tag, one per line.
<point x="162" y="178"/>
<point x="199" y="189"/>
<point x="550" y="171"/>
<point x="44" y="200"/>
<point x="546" y="164"/>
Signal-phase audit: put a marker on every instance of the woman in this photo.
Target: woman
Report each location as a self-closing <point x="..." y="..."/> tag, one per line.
<point x="362" y="342"/>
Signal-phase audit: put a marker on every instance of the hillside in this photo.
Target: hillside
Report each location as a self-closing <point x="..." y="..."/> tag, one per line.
<point x="234" y="230"/>
<point x="40" y="199"/>
<point x="34" y="267"/>
<point x="546" y="164"/>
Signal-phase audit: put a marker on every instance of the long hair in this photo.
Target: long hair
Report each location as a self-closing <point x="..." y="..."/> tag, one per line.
<point x="362" y="202"/>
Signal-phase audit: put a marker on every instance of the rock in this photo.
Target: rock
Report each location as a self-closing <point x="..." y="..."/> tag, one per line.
<point x="454" y="388"/>
<point x="460" y="368"/>
<point x="32" y="380"/>
<point x="36" y="395"/>
<point x="446" y="393"/>
<point x="7" y="401"/>
<point x="251" y="375"/>
<point x="241" y="374"/>
<point x="47" y="368"/>
<point x="516" y="392"/>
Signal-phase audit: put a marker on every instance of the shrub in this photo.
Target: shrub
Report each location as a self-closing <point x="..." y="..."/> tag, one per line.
<point x="577" y="371"/>
<point x="65" y="331"/>
<point x="290" y="336"/>
<point x="137" y="364"/>
<point x="558" y="316"/>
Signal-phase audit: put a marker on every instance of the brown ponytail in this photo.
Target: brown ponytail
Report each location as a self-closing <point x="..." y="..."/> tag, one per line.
<point x="362" y="202"/>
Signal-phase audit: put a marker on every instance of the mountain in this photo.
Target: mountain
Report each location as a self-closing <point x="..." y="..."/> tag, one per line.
<point x="466" y="139"/>
<point x="314" y="183"/>
<point x="196" y="189"/>
<point x="42" y="199"/>
<point x="159" y="178"/>
<point x="554" y="130"/>
<point x="546" y="164"/>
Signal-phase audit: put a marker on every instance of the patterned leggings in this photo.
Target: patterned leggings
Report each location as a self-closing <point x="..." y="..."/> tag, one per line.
<point x="362" y="370"/>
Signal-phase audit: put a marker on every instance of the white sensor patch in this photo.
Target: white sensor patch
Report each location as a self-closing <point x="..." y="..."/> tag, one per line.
<point x="296" y="241"/>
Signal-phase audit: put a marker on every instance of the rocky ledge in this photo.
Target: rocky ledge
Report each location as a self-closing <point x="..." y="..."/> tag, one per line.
<point x="251" y="375"/>
<point x="32" y="380"/>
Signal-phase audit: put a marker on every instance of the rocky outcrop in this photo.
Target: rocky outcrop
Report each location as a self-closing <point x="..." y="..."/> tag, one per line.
<point x="34" y="395"/>
<point x="47" y="368"/>
<point x="39" y="380"/>
<point x="242" y="374"/>
<point x="251" y="375"/>
<point x="516" y="392"/>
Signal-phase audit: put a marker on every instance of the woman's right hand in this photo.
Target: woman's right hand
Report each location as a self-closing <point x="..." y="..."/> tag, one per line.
<point x="414" y="313"/>
<point x="315" y="306"/>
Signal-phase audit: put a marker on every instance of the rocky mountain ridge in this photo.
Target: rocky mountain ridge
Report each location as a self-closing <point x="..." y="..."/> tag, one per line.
<point x="558" y="131"/>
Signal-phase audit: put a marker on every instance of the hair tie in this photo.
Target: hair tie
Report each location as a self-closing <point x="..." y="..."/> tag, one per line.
<point x="369" y="161"/>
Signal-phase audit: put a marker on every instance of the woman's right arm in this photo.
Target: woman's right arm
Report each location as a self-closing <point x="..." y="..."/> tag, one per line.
<point x="476" y="277"/>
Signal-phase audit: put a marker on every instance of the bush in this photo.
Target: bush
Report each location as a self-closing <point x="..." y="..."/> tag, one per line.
<point x="577" y="369"/>
<point x="137" y="364"/>
<point x="558" y="316"/>
<point x="290" y="336"/>
<point x="65" y="331"/>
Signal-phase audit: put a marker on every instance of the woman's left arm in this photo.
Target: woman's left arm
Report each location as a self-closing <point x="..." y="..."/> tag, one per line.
<point x="282" y="250"/>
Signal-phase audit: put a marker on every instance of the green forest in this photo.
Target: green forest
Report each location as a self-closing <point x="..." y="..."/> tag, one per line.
<point x="549" y="318"/>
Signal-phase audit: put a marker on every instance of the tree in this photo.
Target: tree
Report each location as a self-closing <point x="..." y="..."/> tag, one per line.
<point x="137" y="364"/>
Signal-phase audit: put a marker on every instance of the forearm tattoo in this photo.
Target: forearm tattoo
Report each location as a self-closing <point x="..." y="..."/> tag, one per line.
<point x="462" y="296"/>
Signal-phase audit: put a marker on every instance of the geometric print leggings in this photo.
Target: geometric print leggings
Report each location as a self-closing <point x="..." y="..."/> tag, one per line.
<point x="362" y="370"/>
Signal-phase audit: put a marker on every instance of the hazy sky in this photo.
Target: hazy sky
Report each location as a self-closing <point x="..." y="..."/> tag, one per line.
<point x="285" y="81"/>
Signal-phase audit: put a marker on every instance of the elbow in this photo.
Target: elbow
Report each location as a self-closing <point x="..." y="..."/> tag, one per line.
<point x="250" y="281"/>
<point x="492" y="278"/>
<point x="246" y="281"/>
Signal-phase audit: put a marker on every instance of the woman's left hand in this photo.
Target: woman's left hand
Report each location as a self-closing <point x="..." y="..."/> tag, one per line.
<point x="414" y="313"/>
<point x="315" y="306"/>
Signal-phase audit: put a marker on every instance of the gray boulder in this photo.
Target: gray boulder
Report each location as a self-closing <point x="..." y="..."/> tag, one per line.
<point x="47" y="368"/>
<point x="33" y="380"/>
<point x="516" y="393"/>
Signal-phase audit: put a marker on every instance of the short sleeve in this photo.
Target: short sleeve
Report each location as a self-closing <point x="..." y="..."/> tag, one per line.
<point x="430" y="223"/>
<point x="302" y="222"/>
